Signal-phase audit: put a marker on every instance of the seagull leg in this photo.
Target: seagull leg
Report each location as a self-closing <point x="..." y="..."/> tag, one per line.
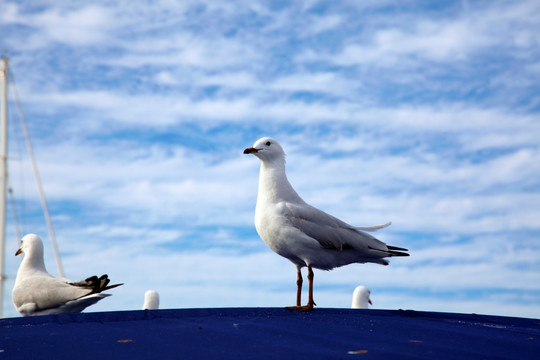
<point x="310" y="303"/>
<point x="310" y="277"/>
<point x="299" y="282"/>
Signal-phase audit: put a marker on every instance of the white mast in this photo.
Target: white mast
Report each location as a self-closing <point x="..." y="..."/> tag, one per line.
<point x="3" y="173"/>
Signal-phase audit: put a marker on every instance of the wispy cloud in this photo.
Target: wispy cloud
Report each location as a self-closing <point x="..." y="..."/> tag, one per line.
<point x="73" y="27"/>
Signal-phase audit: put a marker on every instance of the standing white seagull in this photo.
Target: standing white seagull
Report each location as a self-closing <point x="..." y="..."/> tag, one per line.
<point x="36" y="292"/>
<point x="302" y="233"/>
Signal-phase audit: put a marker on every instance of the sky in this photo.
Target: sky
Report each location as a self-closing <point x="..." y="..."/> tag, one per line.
<point x="423" y="113"/>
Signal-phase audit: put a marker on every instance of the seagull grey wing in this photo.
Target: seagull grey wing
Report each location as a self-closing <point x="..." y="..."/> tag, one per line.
<point x="328" y="230"/>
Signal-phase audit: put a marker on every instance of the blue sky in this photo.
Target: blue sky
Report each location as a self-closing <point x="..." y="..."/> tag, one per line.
<point x="425" y="114"/>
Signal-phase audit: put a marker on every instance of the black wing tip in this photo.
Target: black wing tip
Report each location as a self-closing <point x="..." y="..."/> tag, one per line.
<point x="397" y="251"/>
<point x="391" y="251"/>
<point x="396" y="248"/>
<point x="99" y="284"/>
<point x="112" y="286"/>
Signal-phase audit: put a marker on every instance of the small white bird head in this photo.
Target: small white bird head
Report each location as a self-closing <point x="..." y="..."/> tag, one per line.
<point x="151" y="300"/>
<point x="267" y="149"/>
<point x="361" y="298"/>
<point x="31" y="244"/>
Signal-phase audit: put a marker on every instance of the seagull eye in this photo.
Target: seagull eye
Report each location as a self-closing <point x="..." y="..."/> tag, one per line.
<point x="268" y="143"/>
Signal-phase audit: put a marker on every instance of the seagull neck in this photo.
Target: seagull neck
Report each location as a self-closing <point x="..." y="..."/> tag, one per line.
<point x="34" y="261"/>
<point x="274" y="185"/>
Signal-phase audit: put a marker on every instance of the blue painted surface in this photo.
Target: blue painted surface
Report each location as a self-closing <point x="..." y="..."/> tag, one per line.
<point x="269" y="333"/>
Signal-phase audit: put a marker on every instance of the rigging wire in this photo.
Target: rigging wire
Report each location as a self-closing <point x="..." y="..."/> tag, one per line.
<point x="36" y="175"/>
<point x="16" y="198"/>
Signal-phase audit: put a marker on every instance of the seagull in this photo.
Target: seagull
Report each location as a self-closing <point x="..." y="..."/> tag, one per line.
<point x="360" y="298"/>
<point x="36" y="292"/>
<point x="305" y="235"/>
<point x="151" y="300"/>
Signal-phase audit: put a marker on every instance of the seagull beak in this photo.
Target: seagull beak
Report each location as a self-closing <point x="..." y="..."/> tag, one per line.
<point x="18" y="252"/>
<point x="251" y="151"/>
<point x="369" y="301"/>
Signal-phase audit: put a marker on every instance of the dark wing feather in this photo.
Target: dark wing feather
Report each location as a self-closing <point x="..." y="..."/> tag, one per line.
<point x="95" y="284"/>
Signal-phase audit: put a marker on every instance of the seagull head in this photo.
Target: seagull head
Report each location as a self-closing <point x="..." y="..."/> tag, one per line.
<point x="361" y="297"/>
<point x="151" y="300"/>
<point x="30" y="243"/>
<point x="266" y="149"/>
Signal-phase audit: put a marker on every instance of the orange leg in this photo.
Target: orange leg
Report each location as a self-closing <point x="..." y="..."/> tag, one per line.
<point x="310" y="277"/>
<point x="310" y="303"/>
<point x="299" y="282"/>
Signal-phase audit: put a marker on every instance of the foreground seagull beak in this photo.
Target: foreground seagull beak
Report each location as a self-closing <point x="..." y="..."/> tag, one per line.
<point x="251" y="151"/>
<point x="18" y="252"/>
<point x="369" y="301"/>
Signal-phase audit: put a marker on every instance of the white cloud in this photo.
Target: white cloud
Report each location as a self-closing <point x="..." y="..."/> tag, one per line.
<point x="76" y="27"/>
<point x="410" y="39"/>
<point x="231" y="80"/>
<point x="328" y="83"/>
<point x="430" y="41"/>
<point x="185" y="49"/>
<point x="321" y="24"/>
<point x="165" y="78"/>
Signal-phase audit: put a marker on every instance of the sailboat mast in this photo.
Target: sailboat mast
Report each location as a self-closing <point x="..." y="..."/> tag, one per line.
<point x="3" y="173"/>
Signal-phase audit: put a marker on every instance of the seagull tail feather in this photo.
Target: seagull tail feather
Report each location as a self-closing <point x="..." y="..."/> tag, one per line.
<point x="99" y="284"/>
<point x="392" y="251"/>
<point x="397" y="251"/>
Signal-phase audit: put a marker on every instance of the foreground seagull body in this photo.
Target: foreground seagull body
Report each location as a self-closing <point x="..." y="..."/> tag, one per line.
<point x="302" y="233"/>
<point x="36" y="292"/>
<point x="151" y="300"/>
<point x="360" y="298"/>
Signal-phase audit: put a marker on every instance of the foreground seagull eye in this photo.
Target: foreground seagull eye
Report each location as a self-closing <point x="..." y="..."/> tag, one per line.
<point x="268" y="143"/>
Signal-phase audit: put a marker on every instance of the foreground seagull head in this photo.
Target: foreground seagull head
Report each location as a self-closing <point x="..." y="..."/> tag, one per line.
<point x="268" y="150"/>
<point x="360" y="299"/>
<point x="305" y="235"/>
<point x="36" y="292"/>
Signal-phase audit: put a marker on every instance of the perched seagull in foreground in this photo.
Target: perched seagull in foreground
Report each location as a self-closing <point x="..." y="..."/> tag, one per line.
<point x="151" y="300"/>
<point x="303" y="234"/>
<point x="36" y="292"/>
<point x="360" y="298"/>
